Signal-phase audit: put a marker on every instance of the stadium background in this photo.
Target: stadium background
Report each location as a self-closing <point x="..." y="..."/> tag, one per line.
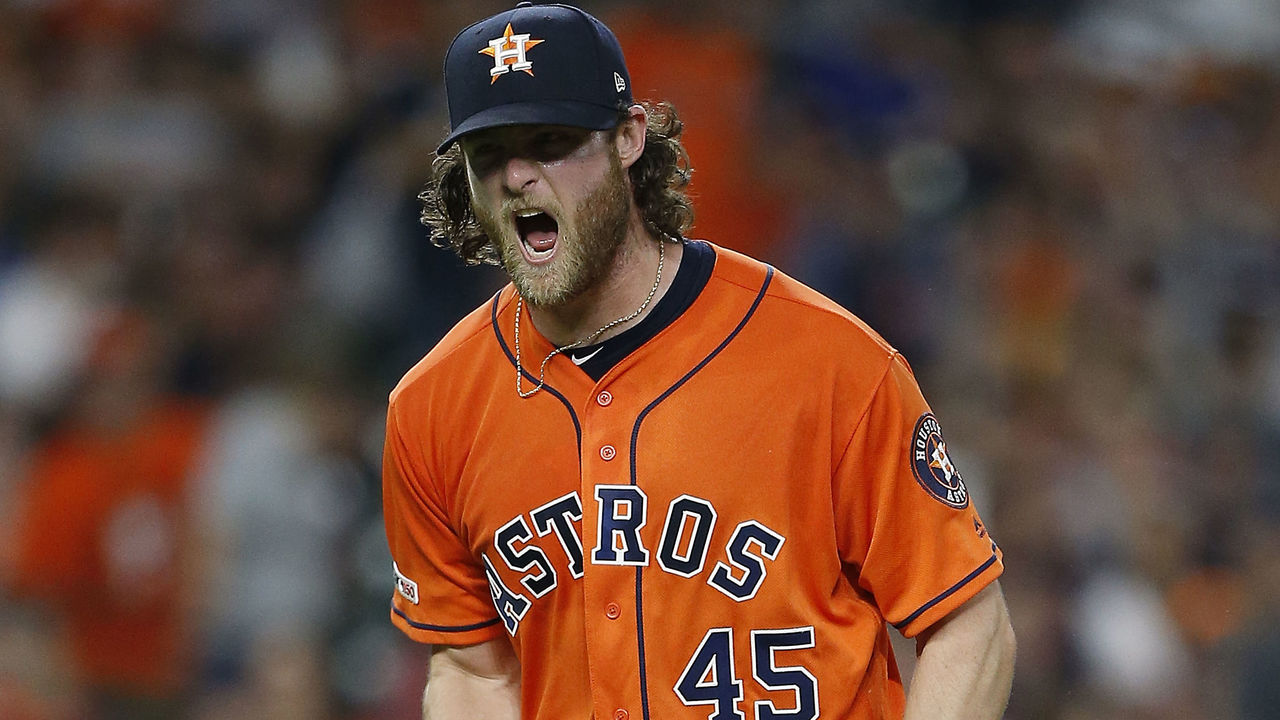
<point x="1065" y="213"/>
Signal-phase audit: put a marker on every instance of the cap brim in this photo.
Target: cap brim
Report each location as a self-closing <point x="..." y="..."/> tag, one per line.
<point x="543" y="112"/>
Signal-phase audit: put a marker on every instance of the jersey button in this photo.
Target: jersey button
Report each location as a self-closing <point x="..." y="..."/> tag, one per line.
<point x="620" y="714"/>
<point x="612" y="611"/>
<point x="604" y="398"/>
<point x="607" y="453"/>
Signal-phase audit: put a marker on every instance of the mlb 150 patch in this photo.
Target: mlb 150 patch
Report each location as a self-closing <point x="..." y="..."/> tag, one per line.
<point x="406" y="587"/>
<point x="932" y="465"/>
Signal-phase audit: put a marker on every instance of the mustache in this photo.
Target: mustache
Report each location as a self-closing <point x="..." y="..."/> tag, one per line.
<point x="510" y="207"/>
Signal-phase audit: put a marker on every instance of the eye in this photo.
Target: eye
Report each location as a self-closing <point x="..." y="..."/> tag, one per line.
<point x="550" y="145"/>
<point x="483" y="156"/>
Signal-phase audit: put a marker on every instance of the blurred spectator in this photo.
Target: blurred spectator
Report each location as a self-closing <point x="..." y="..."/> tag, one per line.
<point x="712" y="68"/>
<point x="104" y="535"/>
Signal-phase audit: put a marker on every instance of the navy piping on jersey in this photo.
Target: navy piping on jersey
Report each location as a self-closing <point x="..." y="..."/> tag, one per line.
<point x="635" y="435"/>
<point x="577" y="428"/>
<point x="948" y="592"/>
<point x="444" y="628"/>
<point x="695" y="270"/>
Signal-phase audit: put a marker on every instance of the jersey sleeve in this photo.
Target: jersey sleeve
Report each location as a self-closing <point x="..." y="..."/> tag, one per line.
<point x="911" y="537"/>
<point x="441" y="595"/>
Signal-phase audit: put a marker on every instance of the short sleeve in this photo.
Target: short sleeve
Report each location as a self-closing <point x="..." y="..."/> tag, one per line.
<point x="441" y="595"/>
<point x="910" y="536"/>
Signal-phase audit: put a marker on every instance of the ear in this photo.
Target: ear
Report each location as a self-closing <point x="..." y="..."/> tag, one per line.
<point x="629" y="139"/>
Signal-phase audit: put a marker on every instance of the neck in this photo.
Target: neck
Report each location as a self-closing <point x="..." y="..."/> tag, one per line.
<point x="618" y="294"/>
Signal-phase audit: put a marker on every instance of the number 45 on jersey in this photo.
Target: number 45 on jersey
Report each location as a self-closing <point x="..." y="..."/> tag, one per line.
<point x="711" y="679"/>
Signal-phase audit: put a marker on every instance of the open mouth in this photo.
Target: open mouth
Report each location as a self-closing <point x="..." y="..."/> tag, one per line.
<point x="538" y="234"/>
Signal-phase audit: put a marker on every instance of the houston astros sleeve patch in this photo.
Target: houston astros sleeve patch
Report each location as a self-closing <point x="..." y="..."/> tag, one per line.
<point x="933" y="467"/>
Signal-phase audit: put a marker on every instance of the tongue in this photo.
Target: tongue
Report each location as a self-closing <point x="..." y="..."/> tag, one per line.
<point x="541" y="240"/>
<point x="539" y="231"/>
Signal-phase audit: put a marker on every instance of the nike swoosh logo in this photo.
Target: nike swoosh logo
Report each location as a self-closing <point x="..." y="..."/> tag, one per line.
<point x="579" y="360"/>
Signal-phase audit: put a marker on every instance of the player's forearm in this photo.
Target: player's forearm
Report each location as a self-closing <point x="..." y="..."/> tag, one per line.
<point x="463" y="697"/>
<point x="965" y="669"/>
<point x="460" y="689"/>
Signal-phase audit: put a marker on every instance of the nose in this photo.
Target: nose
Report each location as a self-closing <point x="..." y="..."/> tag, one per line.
<point x="519" y="174"/>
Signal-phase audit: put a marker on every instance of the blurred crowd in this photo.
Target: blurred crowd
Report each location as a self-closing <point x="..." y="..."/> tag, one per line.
<point x="1066" y="214"/>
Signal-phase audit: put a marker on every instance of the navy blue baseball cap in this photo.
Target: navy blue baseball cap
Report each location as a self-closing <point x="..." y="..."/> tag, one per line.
<point x="535" y="64"/>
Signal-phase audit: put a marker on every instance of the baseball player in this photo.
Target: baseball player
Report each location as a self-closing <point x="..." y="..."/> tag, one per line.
<point x="653" y="478"/>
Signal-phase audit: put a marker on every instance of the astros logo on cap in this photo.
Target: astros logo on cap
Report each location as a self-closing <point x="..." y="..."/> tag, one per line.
<point x="508" y="53"/>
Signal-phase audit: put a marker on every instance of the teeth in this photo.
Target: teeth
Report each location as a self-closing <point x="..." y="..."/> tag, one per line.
<point x="528" y="213"/>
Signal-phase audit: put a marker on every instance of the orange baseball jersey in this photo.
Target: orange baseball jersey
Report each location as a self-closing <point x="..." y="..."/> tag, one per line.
<point x="720" y="527"/>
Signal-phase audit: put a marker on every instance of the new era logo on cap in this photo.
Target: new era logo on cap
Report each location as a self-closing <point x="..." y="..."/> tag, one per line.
<point x="535" y="64"/>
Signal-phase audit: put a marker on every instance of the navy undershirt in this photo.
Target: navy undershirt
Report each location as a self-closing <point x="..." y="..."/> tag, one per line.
<point x="694" y="272"/>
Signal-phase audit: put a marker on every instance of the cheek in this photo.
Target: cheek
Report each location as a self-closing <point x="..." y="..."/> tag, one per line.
<point x="571" y="183"/>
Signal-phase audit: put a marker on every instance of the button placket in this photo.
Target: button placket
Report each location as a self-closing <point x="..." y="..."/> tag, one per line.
<point x="604" y="417"/>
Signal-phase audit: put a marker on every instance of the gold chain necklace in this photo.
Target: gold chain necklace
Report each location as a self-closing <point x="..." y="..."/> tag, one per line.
<point x="542" y="372"/>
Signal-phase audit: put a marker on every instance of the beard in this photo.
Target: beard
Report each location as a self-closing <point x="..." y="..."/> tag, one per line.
<point x="587" y="245"/>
